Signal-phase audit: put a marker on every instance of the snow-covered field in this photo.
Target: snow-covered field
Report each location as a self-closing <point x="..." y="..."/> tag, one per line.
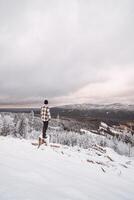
<point x="65" y="173"/>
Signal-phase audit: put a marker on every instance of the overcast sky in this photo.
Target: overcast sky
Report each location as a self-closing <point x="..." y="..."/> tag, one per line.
<point x="69" y="51"/>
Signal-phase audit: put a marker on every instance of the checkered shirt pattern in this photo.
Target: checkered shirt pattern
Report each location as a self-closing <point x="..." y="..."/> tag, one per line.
<point x="45" y="113"/>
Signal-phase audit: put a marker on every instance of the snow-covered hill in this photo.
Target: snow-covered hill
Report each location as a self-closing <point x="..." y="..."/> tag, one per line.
<point x="28" y="173"/>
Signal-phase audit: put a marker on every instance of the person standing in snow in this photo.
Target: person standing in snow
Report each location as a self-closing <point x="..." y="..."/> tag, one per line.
<point x="45" y="117"/>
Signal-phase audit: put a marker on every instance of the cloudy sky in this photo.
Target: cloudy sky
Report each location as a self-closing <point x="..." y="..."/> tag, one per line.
<point x="69" y="51"/>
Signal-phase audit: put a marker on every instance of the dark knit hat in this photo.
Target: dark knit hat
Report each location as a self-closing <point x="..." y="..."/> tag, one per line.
<point x="45" y="101"/>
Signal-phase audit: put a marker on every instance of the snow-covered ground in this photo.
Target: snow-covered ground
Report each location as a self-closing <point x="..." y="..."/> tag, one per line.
<point x="65" y="173"/>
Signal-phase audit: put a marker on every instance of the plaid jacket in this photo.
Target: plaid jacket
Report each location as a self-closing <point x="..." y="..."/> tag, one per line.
<point x="45" y="113"/>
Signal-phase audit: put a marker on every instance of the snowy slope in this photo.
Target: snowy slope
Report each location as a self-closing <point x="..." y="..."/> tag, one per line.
<point x="28" y="173"/>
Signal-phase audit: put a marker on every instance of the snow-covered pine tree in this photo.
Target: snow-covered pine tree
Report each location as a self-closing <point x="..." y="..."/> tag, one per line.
<point x="1" y="124"/>
<point x="22" y="127"/>
<point x="5" y="128"/>
<point x="31" y="120"/>
<point x="16" y="121"/>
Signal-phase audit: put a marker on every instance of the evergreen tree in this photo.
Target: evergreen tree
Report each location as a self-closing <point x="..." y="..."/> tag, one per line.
<point x="5" y="128"/>
<point x="31" y="121"/>
<point x="22" y="127"/>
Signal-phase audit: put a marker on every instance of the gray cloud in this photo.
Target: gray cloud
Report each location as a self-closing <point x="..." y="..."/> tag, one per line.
<point x="54" y="49"/>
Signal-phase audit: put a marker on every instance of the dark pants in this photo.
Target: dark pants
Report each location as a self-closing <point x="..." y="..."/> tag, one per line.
<point x="45" y="126"/>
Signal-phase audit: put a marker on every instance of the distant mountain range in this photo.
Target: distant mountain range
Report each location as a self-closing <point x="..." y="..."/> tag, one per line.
<point x="106" y="112"/>
<point x="84" y="106"/>
<point x="115" y="106"/>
